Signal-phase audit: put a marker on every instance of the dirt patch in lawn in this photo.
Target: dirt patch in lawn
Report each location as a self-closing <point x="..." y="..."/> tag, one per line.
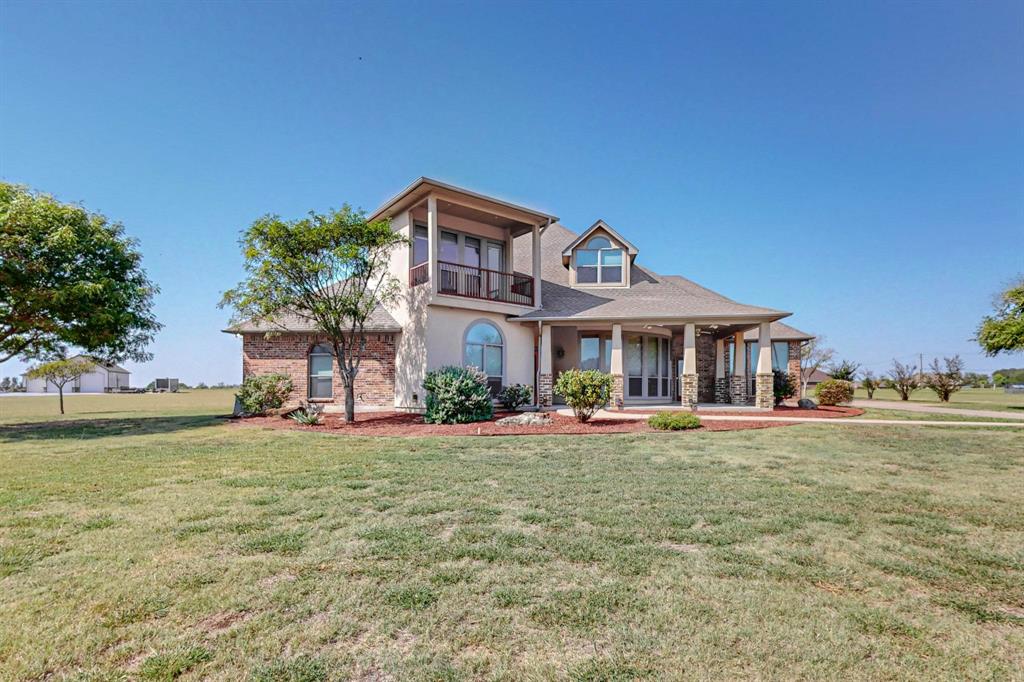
<point x="406" y="424"/>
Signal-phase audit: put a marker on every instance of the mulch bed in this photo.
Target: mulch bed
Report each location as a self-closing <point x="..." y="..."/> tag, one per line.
<point x="406" y="424"/>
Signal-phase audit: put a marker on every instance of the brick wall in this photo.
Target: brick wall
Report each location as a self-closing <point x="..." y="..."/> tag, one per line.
<point x="794" y="365"/>
<point x="287" y="354"/>
<point x="705" y="364"/>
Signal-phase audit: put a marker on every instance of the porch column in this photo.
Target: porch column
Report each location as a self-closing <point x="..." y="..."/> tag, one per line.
<point x="433" y="239"/>
<point x="615" y="366"/>
<point x="688" y="379"/>
<point x="721" y="382"/>
<point x="545" y="393"/>
<point x="738" y="380"/>
<point x="536" y="266"/>
<point x="765" y="397"/>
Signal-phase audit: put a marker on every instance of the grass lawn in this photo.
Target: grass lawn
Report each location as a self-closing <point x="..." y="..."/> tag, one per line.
<point x="905" y="415"/>
<point x="967" y="398"/>
<point x="183" y="546"/>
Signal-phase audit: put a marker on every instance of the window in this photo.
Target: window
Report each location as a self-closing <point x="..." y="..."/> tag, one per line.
<point x="321" y="371"/>
<point x="420" y="245"/>
<point x="595" y="352"/>
<point x="599" y="263"/>
<point x="449" y="250"/>
<point x="485" y="349"/>
<point x="780" y="355"/>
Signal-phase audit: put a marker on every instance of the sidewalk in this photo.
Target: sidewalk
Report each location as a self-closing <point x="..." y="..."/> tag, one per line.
<point x="935" y="409"/>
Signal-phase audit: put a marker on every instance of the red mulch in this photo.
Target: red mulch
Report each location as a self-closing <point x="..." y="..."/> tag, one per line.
<point x="406" y="424"/>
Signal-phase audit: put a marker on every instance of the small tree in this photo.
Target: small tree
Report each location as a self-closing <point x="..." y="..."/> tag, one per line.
<point x="903" y="379"/>
<point x="328" y="269"/>
<point x="813" y="356"/>
<point x="870" y="383"/>
<point x="585" y="391"/>
<point x="946" y="381"/>
<point x="1003" y="330"/>
<point x="845" y="370"/>
<point x="60" y="373"/>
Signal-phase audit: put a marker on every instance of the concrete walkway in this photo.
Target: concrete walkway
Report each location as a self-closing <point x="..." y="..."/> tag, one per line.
<point x="605" y="414"/>
<point x="935" y="409"/>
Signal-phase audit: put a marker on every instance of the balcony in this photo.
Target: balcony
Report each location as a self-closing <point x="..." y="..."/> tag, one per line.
<point x="469" y="281"/>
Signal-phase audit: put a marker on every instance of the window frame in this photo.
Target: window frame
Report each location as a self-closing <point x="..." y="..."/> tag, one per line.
<point x="309" y="371"/>
<point x="599" y="265"/>
<point x="502" y="348"/>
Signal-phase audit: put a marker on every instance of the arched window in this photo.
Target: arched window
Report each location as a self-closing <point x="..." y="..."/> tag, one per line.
<point x="321" y="371"/>
<point x="599" y="263"/>
<point x="484" y="348"/>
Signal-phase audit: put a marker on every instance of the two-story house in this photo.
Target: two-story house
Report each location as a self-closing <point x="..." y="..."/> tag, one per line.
<point x="509" y="290"/>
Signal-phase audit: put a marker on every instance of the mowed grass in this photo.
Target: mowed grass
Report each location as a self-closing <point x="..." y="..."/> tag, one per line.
<point x="138" y="407"/>
<point x="907" y="415"/>
<point x="213" y="551"/>
<point x="967" y="398"/>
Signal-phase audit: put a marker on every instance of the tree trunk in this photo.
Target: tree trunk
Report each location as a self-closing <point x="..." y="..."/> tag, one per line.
<point x="60" y="392"/>
<point x="350" y="402"/>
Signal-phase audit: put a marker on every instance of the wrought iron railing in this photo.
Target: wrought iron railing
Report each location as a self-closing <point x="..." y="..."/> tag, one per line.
<point x="456" y="279"/>
<point x="419" y="274"/>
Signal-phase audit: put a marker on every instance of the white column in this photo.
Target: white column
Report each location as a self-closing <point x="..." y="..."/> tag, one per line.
<point x="740" y="351"/>
<point x="433" y="239"/>
<point x="720" y="359"/>
<point x="545" y="349"/>
<point x="615" y="364"/>
<point x="764" y="349"/>
<point x="536" y="266"/>
<point x="690" y="349"/>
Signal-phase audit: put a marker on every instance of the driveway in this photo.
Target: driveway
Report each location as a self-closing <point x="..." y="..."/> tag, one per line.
<point x="934" y="409"/>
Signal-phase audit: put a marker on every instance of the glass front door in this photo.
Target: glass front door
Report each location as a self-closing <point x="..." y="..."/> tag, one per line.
<point x="647" y="367"/>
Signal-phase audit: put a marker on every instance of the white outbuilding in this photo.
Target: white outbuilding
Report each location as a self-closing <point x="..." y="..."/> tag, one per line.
<point x="104" y="377"/>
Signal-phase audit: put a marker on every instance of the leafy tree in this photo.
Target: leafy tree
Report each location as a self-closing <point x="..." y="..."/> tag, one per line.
<point x="1003" y="330"/>
<point x="69" y="277"/>
<point x="870" y="383"/>
<point x="813" y="356"/>
<point x="1011" y="375"/>
<point x="61" y="372"/>
<point x="903" y="379"/>
<point x="1000" y="380"/>
<point x="975" y="380"/>
<point x="329" y="269"/>
<point x="585" y="391"/>
<point x="845" y="370"/>
<point x="946" y="381"/>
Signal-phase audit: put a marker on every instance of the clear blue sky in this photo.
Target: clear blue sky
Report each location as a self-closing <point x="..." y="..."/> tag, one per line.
<point x="860" y="164"/>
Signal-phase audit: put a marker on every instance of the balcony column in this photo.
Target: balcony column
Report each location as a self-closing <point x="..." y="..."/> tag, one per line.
<point x="688" y="379"/>
<point x="721" y="382"/>
<point x="433" y="240"/>
<point x="545" y="392"/>
<point x="536" y="266"/>
<point x="765" y="397"/>
<point x="738" y="380"/>
<point x="615" y="368"/>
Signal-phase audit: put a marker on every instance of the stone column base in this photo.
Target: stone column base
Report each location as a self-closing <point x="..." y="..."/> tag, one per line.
<point x="765" y="397"/>
<point x="618" y="393"/>
<point x="688" y="390"/>
<point x="545" y="393"/>
<point x="722" y="391"/>
<point x="738" y="389"/>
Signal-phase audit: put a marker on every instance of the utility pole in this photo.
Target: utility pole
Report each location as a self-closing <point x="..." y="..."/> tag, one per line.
<point x="920" y="367"/>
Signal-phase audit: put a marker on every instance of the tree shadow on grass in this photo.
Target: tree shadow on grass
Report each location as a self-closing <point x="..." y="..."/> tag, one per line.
<point x="85" y="429"/>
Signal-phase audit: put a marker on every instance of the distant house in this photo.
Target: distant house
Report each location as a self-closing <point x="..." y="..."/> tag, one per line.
<point x="103" y="377"/>
<point x="817" y="376"/>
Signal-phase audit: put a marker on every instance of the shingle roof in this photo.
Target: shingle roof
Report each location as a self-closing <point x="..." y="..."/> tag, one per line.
<point x="380" y="320"/>
<point x="781" y="332"/>
<point x="649" y="295"/>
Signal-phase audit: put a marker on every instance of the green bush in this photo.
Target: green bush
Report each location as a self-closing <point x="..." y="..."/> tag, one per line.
<point x="834" y="391"/>
<point x="264" y="392"/>
<point x="514" y="395"/>
<point x="457" y="395"/>
<point x="673" y="421"/>
<point x="783" y="386"/>
<point x="585" y="391"/>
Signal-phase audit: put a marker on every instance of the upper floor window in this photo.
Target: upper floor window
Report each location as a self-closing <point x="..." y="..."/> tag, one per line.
<point x="599" y="262"/>
<point x="420" y="245"/>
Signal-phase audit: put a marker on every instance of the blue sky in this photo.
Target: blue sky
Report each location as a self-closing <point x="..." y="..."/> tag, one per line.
<point x="859" y="164"/>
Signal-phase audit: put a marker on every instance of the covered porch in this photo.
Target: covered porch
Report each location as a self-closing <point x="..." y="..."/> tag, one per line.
<point x="670" y="363"/>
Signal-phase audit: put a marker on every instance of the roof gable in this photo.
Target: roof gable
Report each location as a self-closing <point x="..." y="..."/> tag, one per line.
<point x="599" y="226"/>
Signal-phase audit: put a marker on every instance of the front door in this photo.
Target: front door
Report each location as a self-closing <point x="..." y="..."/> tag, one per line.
<point x="647" y="366"/>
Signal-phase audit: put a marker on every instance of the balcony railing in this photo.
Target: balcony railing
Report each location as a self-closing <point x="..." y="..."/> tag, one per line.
<point x="480" y="283"/>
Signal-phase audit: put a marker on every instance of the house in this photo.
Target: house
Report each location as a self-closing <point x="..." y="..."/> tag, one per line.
<point x="508" y="289"/>
<point x="816" y="377"/>
<point x="103" y="377"/>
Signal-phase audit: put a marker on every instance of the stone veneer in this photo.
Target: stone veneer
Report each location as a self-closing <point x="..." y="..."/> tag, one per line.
<point x="688" y="389"/>
<point x="765" y="397"/>
<point x="618" y="392"/>
<point x="722" y="394"/>
<point x="738" y="389"/>
<point x="705" y="364"/>
<point x="545" y="390"/>
<point x="288" y="354"/>
<point x="794" y="365"/>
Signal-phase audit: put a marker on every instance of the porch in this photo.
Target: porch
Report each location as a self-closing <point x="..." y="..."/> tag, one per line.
<point x="677" y="364"/>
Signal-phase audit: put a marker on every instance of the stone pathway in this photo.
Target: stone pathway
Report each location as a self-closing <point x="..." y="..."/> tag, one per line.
<point x="605" y="414"/>
<point x="935" y="409"/>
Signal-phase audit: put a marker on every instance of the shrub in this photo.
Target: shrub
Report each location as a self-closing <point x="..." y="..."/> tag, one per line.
<point x="264" y="392"/>
<point x="585" y="391"/>
<point x="308" y="415"/>
<point x="783" y="386"/>
<point x="946" y="381"/>
<point x="674" y="421"/>
<point x="514" y="395"/>
<point x="870" y="383"/>
<point x="834" y="391"/>
<point x="903" y="379"/>
<point x="457" y="395"/>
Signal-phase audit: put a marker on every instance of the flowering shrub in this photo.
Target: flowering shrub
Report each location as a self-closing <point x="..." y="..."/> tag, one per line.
<point x="264" y="392"/>
<point x="514" y="395"/>
<point x="457" y="395"/>
<point x="585" y="391"/>
<point x="834" y="391"/>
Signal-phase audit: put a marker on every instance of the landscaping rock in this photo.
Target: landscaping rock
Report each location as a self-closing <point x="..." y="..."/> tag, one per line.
<point x="807" y="404"/>
<point x="525" y="419"/>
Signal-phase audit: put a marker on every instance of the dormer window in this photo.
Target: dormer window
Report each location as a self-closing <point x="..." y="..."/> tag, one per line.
<point x="599" y="262"/>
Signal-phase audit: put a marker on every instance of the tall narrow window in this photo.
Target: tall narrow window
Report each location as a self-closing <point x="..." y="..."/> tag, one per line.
<point x="485" y="350"/>
<point x="420" y="245"/>
<point x="780" y="355"/>
<point x="321" y="371"/>
<point x="599" y="263"/>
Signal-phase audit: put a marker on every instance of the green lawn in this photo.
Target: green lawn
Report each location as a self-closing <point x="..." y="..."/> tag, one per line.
<point x="968" y="398"/>
<point x="905" y="415"/>
<point x="19" y="409"/>
<point x="169" y="545"/>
